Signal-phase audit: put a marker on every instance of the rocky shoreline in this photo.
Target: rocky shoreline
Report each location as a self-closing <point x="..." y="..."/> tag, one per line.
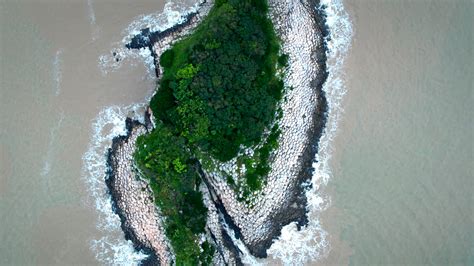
<point x="132" y="198"/>
<point x="158" y="41"/>
<point x="301" y="26"/>
<point x="316" y="127"/>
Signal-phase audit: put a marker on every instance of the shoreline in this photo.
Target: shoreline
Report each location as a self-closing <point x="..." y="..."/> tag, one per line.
<point x="148" y="39"/>
<point x="139" y="217"/>
<point x="314" y="133"/>
<point x="279" y="218"/>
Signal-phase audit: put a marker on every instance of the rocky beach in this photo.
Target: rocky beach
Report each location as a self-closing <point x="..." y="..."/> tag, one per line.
<point x="133" y="199"/>
<point x="302" y="30"/>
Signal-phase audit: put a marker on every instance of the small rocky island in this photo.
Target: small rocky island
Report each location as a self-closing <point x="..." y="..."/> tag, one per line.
<point x="223" y="158"/>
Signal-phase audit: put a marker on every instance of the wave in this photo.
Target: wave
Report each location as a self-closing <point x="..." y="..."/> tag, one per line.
<point x="173" y="14"/>
<point x="112" y="248"/>
<point x="95" y="30"/>
<point x="295" y="247"/>
<point x="57" y="71"/>
<point x="91" y="12"/>
<point x="49" y="154"/>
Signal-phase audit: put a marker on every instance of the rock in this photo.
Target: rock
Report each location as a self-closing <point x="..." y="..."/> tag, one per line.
<point x="140" y="219"/>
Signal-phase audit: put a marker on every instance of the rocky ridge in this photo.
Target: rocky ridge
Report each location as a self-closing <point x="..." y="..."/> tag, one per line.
<point x="133" y="199"/>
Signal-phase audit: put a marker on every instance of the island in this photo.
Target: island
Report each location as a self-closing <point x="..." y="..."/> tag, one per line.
<point x="224" y="156"/>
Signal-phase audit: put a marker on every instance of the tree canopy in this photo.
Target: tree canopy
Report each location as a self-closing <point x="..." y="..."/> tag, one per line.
<point x="219" y="89"/>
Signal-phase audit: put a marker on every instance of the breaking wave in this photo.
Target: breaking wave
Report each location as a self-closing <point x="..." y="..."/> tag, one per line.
<point x="111" y="248"/>
<point x="295" y="247"/>
<point x="174" y="13"/>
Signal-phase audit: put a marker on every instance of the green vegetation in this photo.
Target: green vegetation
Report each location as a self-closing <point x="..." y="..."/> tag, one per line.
<point x="219" y="89"/>
<point x="163" y="159"/>
<point x="219" y="93"/>
<point x="256" y="167"/>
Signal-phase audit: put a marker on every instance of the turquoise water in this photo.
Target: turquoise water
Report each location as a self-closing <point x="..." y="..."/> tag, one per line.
<point x="402" y="183"/>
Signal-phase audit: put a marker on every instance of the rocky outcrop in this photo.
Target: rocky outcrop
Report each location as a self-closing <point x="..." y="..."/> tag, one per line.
<point x="133" y="199"/>
<point x="158" y="41"/>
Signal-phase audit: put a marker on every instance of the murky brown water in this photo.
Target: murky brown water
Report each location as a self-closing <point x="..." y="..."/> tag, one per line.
<point x="402" y="166"/>
<point x="403" y="159"/>
<point x="51" y="90"/>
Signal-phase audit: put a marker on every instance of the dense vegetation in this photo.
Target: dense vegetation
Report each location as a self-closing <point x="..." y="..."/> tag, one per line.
<point x="163" y="159"/>
<point x="219" y="92"/>
<point x="219" y="89"/>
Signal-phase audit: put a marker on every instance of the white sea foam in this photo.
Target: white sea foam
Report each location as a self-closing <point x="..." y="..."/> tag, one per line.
<point x="95" y="29"/>
<point x="49" y="153"/>
<point x="116" y="252"/>
<point x="91" y="12"/>
<point x="174" y="13"/>
<point x="247" y="258"/>
<point x="108" y="124"/>
<point x="57" y="71"/>
<point x="310" y="243"/>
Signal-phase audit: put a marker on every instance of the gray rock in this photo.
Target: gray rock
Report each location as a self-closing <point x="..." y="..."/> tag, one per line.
<point x="133" y="199"/>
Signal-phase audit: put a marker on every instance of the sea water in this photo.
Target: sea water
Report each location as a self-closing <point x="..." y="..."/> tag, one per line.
<point x="402" y="167"/>
<point x="60" y="105"/>
<point x="394" y="172"/>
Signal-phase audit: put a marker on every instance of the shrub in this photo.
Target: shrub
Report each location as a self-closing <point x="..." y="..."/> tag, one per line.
<point x="166" y="59"/>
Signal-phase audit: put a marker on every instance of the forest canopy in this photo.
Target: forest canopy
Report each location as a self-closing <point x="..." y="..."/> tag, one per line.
<point x="219" y="89"/>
